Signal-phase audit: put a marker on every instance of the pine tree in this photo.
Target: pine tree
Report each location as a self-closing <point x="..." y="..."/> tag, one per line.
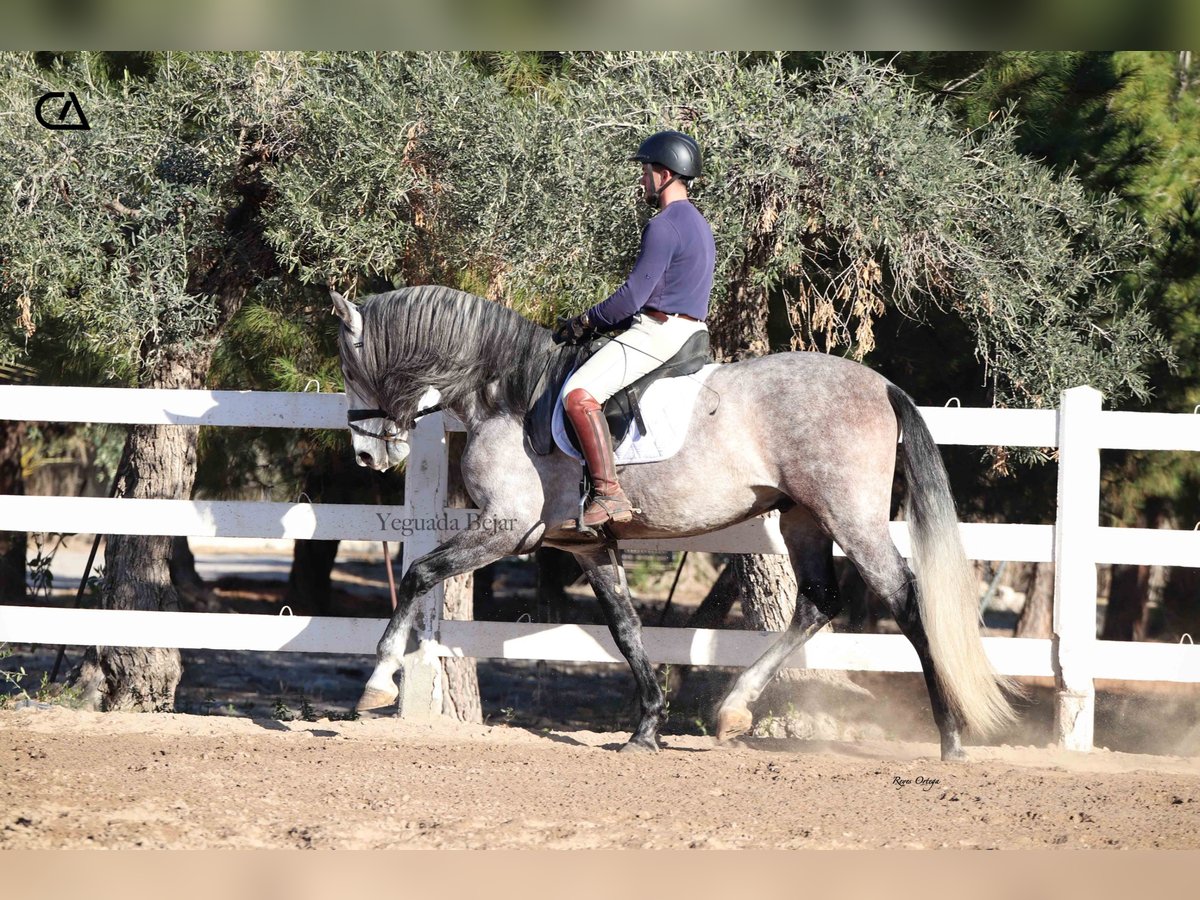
<point x="1125" y="123"/>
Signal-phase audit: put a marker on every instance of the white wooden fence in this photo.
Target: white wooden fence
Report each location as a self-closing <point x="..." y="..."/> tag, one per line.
<point x="1076" y="543"/>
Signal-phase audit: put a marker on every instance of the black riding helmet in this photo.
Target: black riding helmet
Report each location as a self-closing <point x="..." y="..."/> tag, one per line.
<point x="672" y="150"/>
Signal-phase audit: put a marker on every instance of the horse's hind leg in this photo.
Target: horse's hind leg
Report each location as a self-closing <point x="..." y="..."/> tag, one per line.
<point x="811" y="553"/>
<point x="903" y="605"/>
<point x="607" y="581"/>
<point x="885" y="572"/>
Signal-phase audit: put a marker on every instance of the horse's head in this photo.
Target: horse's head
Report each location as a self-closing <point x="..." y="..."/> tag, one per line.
<point x="378" y="440"/>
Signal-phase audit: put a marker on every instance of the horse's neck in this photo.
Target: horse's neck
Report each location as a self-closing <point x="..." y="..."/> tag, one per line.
<point x="470" y="411"/>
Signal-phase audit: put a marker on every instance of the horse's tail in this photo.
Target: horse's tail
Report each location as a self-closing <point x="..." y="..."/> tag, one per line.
<point x="946" y="590"/>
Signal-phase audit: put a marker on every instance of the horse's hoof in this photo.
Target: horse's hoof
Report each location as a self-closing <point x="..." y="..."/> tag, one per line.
<point x="956" y="755"/>
<point x="635" y="747"/>
<point x="377" y="701"/>
<point x="733" y="722"/>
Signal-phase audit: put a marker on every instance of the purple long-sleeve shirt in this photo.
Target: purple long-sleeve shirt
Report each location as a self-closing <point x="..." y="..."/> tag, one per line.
<point x="673" y="272"/>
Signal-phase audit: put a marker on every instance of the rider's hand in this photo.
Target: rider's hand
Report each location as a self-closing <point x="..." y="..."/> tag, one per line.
<point x="571" y="330"/>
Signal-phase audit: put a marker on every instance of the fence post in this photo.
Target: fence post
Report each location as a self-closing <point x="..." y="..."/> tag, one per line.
<point x="425" y="484"/>
<point x="1075" y="583"/>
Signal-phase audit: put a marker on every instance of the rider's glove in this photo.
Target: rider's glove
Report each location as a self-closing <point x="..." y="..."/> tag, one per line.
<point x="572" y="330"/>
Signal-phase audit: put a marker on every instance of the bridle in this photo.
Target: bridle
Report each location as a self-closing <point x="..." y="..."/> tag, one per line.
<point x="358" y="415"/>
<point x="354" y="416"/>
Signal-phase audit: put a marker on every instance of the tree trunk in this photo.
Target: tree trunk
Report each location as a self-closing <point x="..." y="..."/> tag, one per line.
<point x="761" y="579"/>
<point x="1037" y="616"/>
<point x="799" y="700"/>
<point x="1125" y="617"/>
<point x="1129" y="596"/>
<point x="460" y="682"/>
<point x="160" y="464"/>
<point x="766" y="588"/>
<point x="161" y="459"/>
<point x="12" y="543"/>
<point x="765" y="585"/>
<point x="183" y="564"/>
<point x="1181" y="604"/>
<point x="310" y="582"/>
<point x="460" y="694"/>
<point x="194" y="594"/>
<point x="768" y="591"/>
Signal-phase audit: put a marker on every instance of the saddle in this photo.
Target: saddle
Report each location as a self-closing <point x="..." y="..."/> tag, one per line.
<point x="622" y="409"/>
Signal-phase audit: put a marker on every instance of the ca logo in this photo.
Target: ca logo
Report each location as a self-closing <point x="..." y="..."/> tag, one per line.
<point x="61" y="123"/>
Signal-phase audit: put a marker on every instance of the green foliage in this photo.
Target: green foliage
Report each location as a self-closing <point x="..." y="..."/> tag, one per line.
<point x="1128" y="122"/>
<point x="840" y="183"/>
<point x="522" y="73"/>
<point x="13" y="686"/>
<point x="842" y="186"/>
<point x="1061" y="101"/>
<point x="283" y="340"/>
<point x="307" y="712"/>
<point x="1160" y="101"/>
<point x="282" y="712"/>
<point x="114" y="232"/>
<point x="12" y="679"/>
<point x="360" y="193"/>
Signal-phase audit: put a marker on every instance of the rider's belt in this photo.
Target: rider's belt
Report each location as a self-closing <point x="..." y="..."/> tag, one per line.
<point x="659" y="316"/>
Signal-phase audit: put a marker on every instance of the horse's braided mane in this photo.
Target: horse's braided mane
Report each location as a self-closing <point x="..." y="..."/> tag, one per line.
<point x="463" y="345"/>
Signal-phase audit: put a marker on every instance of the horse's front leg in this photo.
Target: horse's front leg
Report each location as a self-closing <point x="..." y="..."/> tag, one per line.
<point x="465" y="552"/>
<point x="607" y="581"/>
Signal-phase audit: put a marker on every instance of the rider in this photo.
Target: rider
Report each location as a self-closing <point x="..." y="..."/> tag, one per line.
<point x="662" y="304"/>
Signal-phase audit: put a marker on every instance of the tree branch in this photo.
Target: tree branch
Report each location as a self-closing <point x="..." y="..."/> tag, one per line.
<point x="121" y="209"/>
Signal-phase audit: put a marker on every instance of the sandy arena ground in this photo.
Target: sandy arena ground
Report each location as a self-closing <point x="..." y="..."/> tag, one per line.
<point x="225" y="772"/>
<point x="73" y="779"/>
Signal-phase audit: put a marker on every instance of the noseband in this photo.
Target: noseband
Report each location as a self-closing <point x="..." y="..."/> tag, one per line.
<point x="359" y="415"/>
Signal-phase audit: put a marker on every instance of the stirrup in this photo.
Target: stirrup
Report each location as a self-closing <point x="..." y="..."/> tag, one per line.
<point x="577" y="523"/>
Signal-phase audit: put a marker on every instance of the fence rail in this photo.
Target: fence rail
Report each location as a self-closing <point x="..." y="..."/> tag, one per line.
<point x="1076" y="543"/>
<point x="358" y="522"/>
<point x="1117" y="660"/>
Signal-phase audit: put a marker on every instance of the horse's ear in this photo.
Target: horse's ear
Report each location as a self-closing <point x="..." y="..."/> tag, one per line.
<point x="347" y="312"/>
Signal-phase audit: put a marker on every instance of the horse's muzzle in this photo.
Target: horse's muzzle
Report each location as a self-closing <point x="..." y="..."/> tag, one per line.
<point x="382" y="458"/>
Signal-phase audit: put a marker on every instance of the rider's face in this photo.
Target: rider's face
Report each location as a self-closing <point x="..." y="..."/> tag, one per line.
<point x="649" y="180"/>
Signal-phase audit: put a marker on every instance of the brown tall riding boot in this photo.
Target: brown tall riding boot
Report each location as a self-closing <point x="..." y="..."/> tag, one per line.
<point x="608" y="499"/>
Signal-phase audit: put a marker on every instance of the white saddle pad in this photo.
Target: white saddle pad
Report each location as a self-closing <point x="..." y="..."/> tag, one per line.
<point x="666" y="410"/>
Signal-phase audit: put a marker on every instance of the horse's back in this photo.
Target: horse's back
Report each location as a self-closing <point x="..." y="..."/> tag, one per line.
<point x="815" y="429"/>
<point x="813" y="424"/>
<point x="807" y="389"/>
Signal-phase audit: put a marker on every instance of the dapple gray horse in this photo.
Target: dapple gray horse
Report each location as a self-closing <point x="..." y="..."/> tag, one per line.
<point x="810" y="435"/>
